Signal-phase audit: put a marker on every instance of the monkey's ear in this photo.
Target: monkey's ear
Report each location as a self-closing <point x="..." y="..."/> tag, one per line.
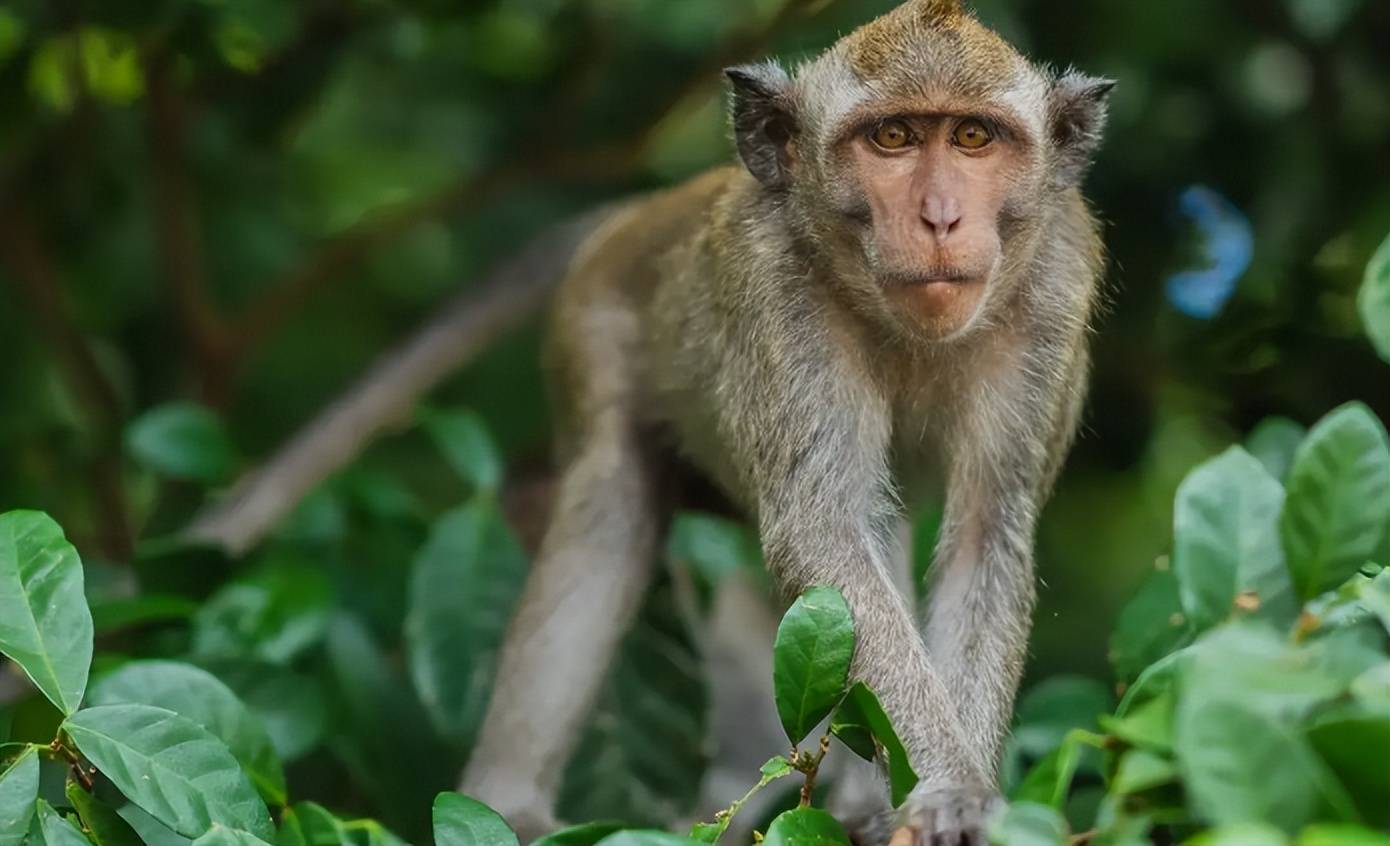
<point x="764" y="121"/>
<point x="1079" y="105"/>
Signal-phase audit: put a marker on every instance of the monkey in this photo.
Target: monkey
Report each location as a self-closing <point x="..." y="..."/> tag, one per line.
<point x="892" y="291"/>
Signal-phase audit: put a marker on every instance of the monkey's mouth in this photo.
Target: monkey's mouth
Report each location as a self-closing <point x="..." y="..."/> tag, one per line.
<point x="929" y="276"/>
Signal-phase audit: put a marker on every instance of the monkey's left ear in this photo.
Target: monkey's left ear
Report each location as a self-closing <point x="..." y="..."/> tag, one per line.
<point x="1079" y="105"/>
<point x="764" y="121"/>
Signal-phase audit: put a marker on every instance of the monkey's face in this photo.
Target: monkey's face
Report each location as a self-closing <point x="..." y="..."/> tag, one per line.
<point x="934" y="196"/>
<point x="921" y="155"/>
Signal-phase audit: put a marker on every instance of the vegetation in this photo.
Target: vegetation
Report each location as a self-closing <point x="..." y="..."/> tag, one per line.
<point x="213" y="216"/>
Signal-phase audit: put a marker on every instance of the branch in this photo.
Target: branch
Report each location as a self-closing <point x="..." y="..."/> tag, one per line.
<point x="178" y="234"/>
<point x="36" y="275"/>
<point x="388" y="392"/>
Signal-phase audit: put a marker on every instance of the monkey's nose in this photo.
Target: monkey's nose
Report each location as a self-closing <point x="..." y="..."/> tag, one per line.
<point x="942" y="215"/>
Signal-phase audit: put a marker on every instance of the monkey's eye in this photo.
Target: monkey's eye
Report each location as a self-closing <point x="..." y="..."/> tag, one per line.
<point x="892" y="134"/>
<point x="972" y="134"/>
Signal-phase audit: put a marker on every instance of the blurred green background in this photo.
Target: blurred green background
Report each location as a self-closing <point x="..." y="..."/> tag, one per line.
<point x="240" y="203"/>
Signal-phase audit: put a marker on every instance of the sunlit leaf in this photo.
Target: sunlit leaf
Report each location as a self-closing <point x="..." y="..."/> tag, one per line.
<point x="462" y="821"/>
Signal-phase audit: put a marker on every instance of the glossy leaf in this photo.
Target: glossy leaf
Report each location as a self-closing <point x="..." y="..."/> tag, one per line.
<point x="45" y="625"/>
<point x="19" y="787"/>
<point x="810" y="659"/>
<point x="199" y="696"/>
<point x="587" y="834"/>
<point x="806" y="827"/>
<point x="1226" y="552"/>
<point x="859" y="720"/>
<point x="1338" y="509"/>
<point x="464" y="584"/>
<point x="461" y="821"/>
<point x="103" y="825"/>
<point x="1374" y="299"/>
<point x="171" y="767"/>
<point x="50" y="829"/>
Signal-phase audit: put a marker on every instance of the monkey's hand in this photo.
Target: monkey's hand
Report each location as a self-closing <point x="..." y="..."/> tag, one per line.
<point x="947" y="816"/>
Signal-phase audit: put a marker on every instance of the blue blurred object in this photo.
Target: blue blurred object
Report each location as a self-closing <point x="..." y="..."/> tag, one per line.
<point x="1228" y="243"/>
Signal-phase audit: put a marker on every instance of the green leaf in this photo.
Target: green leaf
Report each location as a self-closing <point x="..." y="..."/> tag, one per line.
<point x="310" y="824"/>
<point x="1374" y="596"/>
<point x="114" y="615"/>
<point x="45" y="625"/>
<point x="1356" y="746"/>
<point x="1151" y="626"/>
<point x="464" y="586"/>
<point x="861" y="718"/>
<point x="1226" y="542"/>
<point x="1241" y="834"/>
<point x="1050" y="780"/>
<point x="274" y="615"/>
<point x="644" y="754"/>
<point x="1338" y="508"/>
<point x="1374" y="300"/>
<point x="1148" y="725"/>
<point x="646" y="838"/>
<point x="1340" y="834"/>
<point x="152" y="832"/>
<point x="810" y="659"/>
<point x="579" y="835"/>
<point x="461" y="821"/>
<point x="171" y="767"/>
<point x="1240" y="766"/>
<point x="1055" y="706"/>
<point x="805" y="827"/>
<point x="220" y="835"/>
<point x="1274" y="442"/>
<point x="1030" y="824"/>
<point x="1141" y="770"/>
<point x="182" y="440"/>
<point x="103" y="825"/>
<point x="50" y="829"/>
<point x="199" y="696"/>
<point x="19" y="787"/>
<point x="464" y="440"/>
<point x="290" y="706"/>
<point x="714" y="547"/>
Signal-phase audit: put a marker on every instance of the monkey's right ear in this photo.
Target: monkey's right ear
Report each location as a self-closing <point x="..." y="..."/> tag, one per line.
<point x="764" y="121"/>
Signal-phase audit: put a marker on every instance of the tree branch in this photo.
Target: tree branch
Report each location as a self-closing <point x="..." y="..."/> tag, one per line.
<point x="388" y="392"/>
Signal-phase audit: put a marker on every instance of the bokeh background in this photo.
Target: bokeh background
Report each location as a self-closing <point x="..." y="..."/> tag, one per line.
<point x="214" y="215"/>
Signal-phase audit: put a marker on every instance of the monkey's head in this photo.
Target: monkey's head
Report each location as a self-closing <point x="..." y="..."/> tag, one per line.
<point x="920" y="157"/>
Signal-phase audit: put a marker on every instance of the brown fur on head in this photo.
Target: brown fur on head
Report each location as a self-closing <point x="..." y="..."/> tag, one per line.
<point x="929" y="237"/>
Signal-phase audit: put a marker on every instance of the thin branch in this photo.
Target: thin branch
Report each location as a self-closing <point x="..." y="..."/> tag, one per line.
<point x="386" y="395"/>
<point x="36" y="275"/>
<point x="178" y="234"/>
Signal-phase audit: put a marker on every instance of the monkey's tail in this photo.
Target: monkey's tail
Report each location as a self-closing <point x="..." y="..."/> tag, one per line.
<point x="387" y="394"/>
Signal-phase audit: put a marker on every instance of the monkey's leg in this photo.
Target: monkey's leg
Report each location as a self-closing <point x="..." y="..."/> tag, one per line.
<point x="595" y="564"/>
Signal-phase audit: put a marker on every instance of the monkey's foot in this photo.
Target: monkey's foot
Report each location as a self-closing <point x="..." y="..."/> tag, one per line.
<point x="948" y="816"/>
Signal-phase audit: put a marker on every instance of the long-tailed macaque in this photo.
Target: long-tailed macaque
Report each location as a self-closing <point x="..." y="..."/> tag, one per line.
<point x="894" y="288"/>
